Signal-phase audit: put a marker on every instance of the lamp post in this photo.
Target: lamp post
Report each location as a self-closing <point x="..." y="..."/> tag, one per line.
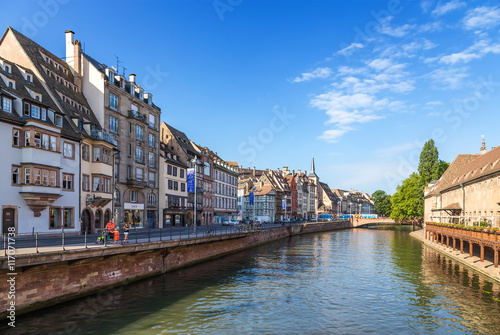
<point x="285" y="206"/>
<point x="195" y="205"/>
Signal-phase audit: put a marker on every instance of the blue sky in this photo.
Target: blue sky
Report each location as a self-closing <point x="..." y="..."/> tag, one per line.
<point x="360" y="84"/>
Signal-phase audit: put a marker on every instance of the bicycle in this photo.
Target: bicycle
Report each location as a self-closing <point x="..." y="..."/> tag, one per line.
<point x="209" y="232"/>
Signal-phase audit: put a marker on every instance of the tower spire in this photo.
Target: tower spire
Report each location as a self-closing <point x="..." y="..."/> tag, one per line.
<point x="313" y="169"/>
<point x="483" y="147"/>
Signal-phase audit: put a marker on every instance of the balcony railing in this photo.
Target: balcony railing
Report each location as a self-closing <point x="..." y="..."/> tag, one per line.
<point x="137" y="116"/>
<point x="104" y="136"/>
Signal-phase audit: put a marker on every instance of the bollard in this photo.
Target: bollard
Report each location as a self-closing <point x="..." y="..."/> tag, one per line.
<point x="36" y="242"/>
<point x="136" y="234"/>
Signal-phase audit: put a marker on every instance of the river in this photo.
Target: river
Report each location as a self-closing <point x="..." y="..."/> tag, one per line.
<point x="358" y="281"/>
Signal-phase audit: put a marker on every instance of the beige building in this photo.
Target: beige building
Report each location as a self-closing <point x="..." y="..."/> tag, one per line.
<point x="128" y="114"/>
<point x="468" y="192"/>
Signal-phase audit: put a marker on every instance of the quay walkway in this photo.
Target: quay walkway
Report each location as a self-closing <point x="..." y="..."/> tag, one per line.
<point x="441" y="241"/>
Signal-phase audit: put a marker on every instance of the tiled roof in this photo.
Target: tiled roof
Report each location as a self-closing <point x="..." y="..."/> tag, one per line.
<point x="183" y="141"/>
<point x="457" y="172"/>
<point x="262" y="190"/>
<point x="34" y="52"/>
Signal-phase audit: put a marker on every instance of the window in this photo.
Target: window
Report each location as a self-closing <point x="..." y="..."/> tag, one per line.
<point x="152" y="161"/>
<point x="45" y="141"/>
<point x="106" y="156"/>
<point x="182" y="173"/>
<point x="38" y="139"/>
<point x="169" y="169"/>
<point x="37" y="176"/>
<point x="45" y="177"/>
<point x="152" y="121"/>
<point x="26" y="109"/>
<point x="113" y="101"/>
<point x="129" y="150"/>
<point x="183" y="187"/>
<point x="133" y="196"/>
<point x="7" y="105"/>
<point x="151" y="199"/>
<point x="106" y="185"/>
<point x="97" y="154"/>
<point x="151" y="178"/>
<point x="58" y="120"/>
<point x="134" y="108"/>
<point x="6" y="68"/>
<point x="139" y="174"/>
<point x="68" y="217"/>
<point x="113" y="124"/>
<point x="67" y="183"/>
<point x="138" y="133"/>
<point x="53" y="143"/>
<point x="152" y="140"/>
<point x="15" y="137"/>
<point x="170" y="185"/>
<point x="117" y="196"/>
<point x="27" y="175"/>
<point x="85" y="152"/>
<point x="96" y="184"/>
<point x="85" y="182"/>
<point x="68" y="149"/>
<point x="174" y="171"/>
<point x="129" y="172"/>
<point x="15" y="175"/>
<point x="54" y="217"/>
<point x="176" y="186"/>
<point x="138" y="154"/>
<point x="44" y="114"/>
<point x="52" y="178"/>
<point x="35" y="112"/>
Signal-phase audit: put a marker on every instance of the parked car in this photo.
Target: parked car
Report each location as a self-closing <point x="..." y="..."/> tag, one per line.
<point x="229" y="223"/>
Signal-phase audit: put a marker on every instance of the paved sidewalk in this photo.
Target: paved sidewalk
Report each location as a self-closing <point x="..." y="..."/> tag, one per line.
<point x="486" y="268"/>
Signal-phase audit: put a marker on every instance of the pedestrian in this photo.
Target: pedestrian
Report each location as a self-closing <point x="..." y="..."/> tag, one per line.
<point x="110" y="227"/>
<point x="126" y="229"/>
<point x="117" y="236"/>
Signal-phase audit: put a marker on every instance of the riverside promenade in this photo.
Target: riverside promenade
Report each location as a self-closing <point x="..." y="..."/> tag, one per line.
<point x="486" y="268"/>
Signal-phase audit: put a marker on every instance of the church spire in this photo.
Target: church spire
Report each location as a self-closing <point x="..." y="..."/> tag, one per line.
<point x="483" y="147"/>
<point x="313" y="170"/>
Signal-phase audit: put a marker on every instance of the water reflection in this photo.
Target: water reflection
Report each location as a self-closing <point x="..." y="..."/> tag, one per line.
<point x="344" y="282"/>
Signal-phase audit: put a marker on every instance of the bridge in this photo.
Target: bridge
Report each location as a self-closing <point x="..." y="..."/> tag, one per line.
<point x="362" y="222"/>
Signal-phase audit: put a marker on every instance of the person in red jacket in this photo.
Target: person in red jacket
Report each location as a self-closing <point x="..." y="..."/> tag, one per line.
<point x="110" y="227"/>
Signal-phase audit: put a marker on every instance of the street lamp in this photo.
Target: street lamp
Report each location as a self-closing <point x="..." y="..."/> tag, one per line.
<point x="285" y="206"/>
<point x="195" y="205"/>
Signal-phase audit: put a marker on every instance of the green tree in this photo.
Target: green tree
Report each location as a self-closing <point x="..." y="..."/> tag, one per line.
<point x="428" y="167"/>
<point x="382" y="202"/>
<point x="442" y="167"/>
<point x="408" y="201"/>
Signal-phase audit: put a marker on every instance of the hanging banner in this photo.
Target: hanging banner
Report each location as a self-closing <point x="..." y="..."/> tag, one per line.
<point x="190" y="180"/>
<point x="251" y="198"/>
<point x="283" y="204"/>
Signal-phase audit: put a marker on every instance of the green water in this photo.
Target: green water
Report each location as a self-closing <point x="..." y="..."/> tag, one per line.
<point x="361" y="281"/>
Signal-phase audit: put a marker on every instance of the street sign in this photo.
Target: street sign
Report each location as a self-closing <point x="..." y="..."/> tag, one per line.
<point x="251" y="198"/>
<point x="190" y="180"/>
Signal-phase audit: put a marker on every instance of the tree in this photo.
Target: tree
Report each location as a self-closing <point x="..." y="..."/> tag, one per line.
<point x="408" y="201"/>
<point x="442" y="167"/>
<point x="382" y="202"/>
<point x="428" y="167"/>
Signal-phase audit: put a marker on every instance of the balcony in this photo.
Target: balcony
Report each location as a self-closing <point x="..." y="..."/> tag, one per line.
<point x="103" y="136"/>
<point x="138" y="116"/>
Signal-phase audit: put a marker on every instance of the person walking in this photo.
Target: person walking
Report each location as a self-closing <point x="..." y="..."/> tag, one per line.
<point x="110" y="227"/>
<point x="126" y="229"/>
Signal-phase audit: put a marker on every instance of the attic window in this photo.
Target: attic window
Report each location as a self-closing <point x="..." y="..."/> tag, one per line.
<point x="7" y="68"/>
<point x="29" y="78"/>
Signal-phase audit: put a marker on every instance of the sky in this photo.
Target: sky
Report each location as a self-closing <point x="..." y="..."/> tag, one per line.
<point x="359" y="84"/>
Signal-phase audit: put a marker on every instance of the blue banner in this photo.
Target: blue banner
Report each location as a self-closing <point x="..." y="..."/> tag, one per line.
<point x="283" y="204"/>
<point x="190" y="180"/>
<point x="251" y="198"/>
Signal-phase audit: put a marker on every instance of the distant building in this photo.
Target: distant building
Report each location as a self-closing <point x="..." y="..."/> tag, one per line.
<point x="468" y="191"/>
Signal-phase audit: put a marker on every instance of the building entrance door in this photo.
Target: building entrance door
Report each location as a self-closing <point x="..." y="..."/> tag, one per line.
<point x="7" y="220"/>
<point x="151" y="219"/>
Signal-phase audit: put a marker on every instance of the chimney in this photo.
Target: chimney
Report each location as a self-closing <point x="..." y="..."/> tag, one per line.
<point x="253" y="171"/>
<point x="298" y="171"/>
<point x="131" y="78"/>
<point x="70" y="38"/>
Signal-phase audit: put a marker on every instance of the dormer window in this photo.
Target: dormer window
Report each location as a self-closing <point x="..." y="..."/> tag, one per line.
<point x="6" y="105"/>
<point x="12" y="85"/>
<point x="7" y="68"/>
<point x="58" y="120"/>
<point x="29" y="78"/>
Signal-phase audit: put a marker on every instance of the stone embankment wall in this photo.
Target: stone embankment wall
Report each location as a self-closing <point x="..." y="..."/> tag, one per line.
<point x="45" y="279"/>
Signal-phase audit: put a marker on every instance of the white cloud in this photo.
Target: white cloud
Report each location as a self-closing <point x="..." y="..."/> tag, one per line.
<point x="448" y="78"/>
<point x="380" y="64"/>
<point x="321" y="72"/>
<point x="334" y="135"/>
<point x="476" y="51"/>
<point x="482" y="17"/>
<point x="425" y="5"/>
<point x="443" y="8"/>
<point x="350" y="49"/>
<point x="434" y="103"/>
<point x="400" y="31"/>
